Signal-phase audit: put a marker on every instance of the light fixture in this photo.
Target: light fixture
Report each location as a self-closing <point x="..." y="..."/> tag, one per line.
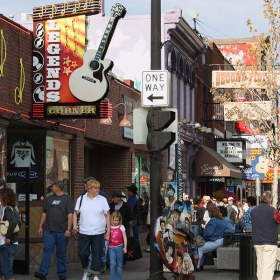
<point x="203" y="129"/>
<point x="124" y="122"/>
<point x="17" y="116"/>
<point x="107" y="121"/>
<point x="209" y="130"/>
<point x="106" y="112"/>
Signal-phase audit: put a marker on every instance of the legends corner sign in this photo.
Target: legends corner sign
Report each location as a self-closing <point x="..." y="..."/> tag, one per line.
<point x="155" y="88"/>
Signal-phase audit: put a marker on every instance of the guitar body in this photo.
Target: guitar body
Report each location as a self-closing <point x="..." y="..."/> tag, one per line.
<point x="90" y="85"/>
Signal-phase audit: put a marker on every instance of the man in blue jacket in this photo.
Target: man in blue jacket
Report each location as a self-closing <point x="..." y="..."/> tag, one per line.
<point x="264" y="235"/>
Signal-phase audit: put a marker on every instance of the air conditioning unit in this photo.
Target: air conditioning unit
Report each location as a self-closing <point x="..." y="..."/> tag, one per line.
<point x="26" y="16"/>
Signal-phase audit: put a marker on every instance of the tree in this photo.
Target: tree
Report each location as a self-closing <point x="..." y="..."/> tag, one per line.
<point x="260" y="83"/>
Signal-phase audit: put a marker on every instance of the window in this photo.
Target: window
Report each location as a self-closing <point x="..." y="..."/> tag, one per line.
<point x="57" y="162"/>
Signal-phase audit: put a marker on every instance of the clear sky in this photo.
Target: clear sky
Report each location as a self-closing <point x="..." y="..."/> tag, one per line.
<point x="216" y="19"/>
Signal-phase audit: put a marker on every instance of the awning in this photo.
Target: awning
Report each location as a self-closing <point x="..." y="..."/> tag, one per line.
<point x="210" y="164"/>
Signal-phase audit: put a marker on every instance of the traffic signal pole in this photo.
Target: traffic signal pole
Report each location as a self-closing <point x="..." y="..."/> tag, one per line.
<point x="156" y="268"/>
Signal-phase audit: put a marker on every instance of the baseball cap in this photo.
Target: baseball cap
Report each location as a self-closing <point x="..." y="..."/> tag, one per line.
<point x="2" y="182"/>
<point x="230" y="198"/>
<point x="117" y="194"/>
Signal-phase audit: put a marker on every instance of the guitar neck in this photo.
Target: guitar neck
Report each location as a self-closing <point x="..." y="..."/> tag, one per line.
<point x="106" y="39"/>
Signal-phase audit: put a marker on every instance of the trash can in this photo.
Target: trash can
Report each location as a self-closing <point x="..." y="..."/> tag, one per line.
<point x="247" y="258"/>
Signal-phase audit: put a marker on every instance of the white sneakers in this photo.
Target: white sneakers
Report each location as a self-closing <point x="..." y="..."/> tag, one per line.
<point x="85" y="276"/>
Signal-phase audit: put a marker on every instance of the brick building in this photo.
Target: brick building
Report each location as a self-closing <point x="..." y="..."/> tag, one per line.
<point x="64" y="149"/>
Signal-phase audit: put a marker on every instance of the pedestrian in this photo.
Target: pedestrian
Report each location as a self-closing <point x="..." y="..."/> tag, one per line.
<point x="105" y="244"/>
<point x="245" y="205"/>
<point x="118" y="205"/>
<point x="117" y="246"/>
<point x="2" y="185"/>
<point x="57" y="220"/>
<point x="127" y="218"/>
<point x="134" y="207"/>
<point x="246" y="220"/>
<point x="228" y="223"/>
<point x="239" y="217"/>
<point x="213" y="235"/>
<point x="196" y="219"/>
<point x="264" y="235"/>
<point x="9" y="242"/>
<point x="230" y="211"/>
<point x="94" y="218"/>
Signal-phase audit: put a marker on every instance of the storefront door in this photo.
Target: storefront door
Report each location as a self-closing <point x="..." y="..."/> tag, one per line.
<point x="18" y="179"/>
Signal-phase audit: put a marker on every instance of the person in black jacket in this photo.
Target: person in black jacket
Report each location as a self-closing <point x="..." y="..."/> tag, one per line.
<point x="8" y="243"/>
<point x="124" y="209"/>
<point x="264" y="235"/>
<point x="196" y="219"/>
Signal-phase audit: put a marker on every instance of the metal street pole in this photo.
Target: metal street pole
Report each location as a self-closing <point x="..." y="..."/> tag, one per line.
<point x="156" y="269"/>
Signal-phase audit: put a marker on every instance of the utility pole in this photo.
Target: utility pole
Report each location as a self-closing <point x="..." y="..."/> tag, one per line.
<point x="156" y="268"/>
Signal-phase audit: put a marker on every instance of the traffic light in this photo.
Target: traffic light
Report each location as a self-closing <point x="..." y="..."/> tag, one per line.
<point x="157" y="121"/>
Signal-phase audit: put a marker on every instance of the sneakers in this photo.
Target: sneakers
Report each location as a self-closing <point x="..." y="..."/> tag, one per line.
<point x="85" y="276"/>
<point x="89" y="272"/>
<point x="95" y="278"/>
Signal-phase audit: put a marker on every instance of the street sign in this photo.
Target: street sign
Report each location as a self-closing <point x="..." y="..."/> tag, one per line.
<point x="155" y="88"/>
<point x="140" y="129"/>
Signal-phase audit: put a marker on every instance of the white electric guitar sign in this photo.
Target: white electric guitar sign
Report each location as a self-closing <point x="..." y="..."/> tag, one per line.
<point x="89" y="82"/>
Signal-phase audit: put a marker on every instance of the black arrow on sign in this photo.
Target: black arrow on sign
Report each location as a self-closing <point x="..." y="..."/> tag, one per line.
<point x="151" y="97"/>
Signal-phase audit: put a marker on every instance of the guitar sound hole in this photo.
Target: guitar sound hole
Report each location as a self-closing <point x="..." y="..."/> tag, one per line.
<point x="94" y="65"/>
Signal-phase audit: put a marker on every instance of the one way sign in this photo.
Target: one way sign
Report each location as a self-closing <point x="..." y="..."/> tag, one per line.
<point x="155" y="88"/>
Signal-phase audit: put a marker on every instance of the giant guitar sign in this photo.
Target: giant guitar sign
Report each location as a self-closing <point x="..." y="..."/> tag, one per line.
<point x="89" y="82"/>
<point x="69" y="82"/>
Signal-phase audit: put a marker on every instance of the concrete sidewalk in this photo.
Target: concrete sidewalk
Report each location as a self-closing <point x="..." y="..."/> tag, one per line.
<point x="135" y="270"/>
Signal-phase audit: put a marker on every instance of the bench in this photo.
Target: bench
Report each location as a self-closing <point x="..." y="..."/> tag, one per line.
<point x="228" y="255"/>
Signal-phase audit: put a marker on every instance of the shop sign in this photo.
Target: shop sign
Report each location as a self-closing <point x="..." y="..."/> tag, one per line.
<point x="207" y="170"/>
<point x="22" y="174"/>
<point x="234" y="79"/>
<point x="128" y="133"/>
<point x="232" y="151"/>
<point x="222" y="179"/>
<point x="235" y="111"/>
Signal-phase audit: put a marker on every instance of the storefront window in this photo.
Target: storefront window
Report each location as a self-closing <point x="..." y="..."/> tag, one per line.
<point x="26" y="151"/>
<point x="142" y="175"/>
<point x="3" y="152"/>
<point x="57" y="162"/>
<point x="47" y="157"/>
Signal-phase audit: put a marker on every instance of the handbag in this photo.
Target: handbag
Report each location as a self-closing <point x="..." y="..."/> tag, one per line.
<point x="4" y="228"/>
<point x="200" y="241"/>
<point x="134" y="251"/>
<point x="5" y="224"/>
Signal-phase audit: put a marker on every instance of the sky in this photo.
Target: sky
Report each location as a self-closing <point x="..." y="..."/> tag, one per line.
<point x="217" y="19"/>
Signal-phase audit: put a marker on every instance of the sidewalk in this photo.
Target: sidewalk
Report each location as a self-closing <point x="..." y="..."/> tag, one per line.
<point x="135" y="270"/>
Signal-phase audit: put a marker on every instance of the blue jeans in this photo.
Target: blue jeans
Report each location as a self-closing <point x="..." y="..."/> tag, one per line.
<point x="7" y="254"/>
<point x="52" y="239"/>
<point x="95" y="243"/>
<point x="136" y="229"/>
<point x="104" y="254"/>
<point x="116" y="262"/>
<point x="208" y="246"/>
